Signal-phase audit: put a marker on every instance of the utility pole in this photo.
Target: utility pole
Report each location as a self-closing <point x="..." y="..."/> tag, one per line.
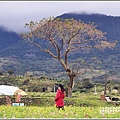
<point x="106" y="82"/>
<point x="95" y="91"/>
<point x="54" y="88"/>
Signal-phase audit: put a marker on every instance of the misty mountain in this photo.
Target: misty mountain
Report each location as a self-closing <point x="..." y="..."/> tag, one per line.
<point x="7" y="38"/>
<point x="19" y="56"/>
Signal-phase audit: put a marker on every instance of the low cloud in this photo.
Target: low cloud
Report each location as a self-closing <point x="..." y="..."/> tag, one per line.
<point x="14" y="15"/>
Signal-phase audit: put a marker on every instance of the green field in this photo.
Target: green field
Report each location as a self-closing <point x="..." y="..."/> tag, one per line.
<point x="78" y="99"/>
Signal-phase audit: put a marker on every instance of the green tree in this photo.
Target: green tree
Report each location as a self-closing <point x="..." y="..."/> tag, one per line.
<point x="87" y="84"/>
<point x="64" y="36"/>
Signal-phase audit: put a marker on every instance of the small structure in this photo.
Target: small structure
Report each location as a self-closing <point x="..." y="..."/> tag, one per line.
<point x="8" y="91"/>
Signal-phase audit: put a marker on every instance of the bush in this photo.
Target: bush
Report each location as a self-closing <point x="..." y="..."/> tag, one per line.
<point x="85" y="103"/>
<point x="83" y="90"/>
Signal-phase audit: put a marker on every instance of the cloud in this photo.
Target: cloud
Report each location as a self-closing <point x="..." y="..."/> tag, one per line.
<point x="15" y="14"/>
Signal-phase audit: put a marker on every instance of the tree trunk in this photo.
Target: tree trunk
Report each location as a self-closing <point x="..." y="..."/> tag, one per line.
<point x="70" y="87"/>
<point x="106" y="83"/>
<point x="69" y="92"/>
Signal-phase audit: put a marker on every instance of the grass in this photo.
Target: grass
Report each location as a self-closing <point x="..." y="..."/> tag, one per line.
<point x="78" y="99"/>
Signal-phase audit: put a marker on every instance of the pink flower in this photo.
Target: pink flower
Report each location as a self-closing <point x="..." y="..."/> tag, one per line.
<point x="86" y="115"/>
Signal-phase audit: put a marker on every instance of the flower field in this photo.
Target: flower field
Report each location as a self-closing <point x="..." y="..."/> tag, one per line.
<point x="53" y="112"/>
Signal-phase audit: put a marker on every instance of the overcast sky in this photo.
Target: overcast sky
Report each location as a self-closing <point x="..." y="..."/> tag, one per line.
<point x="14" y="14"/>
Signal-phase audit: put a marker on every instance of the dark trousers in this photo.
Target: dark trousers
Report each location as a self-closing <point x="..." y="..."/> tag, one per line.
<point x="60" y="107"/>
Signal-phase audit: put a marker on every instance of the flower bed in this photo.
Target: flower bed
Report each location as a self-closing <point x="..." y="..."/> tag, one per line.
<point x="53" y="112"/>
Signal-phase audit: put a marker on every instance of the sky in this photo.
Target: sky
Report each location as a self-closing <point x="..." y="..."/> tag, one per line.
<point x="14" y="14"/>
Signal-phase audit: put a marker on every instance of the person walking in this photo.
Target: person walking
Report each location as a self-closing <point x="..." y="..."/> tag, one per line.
<point x="59" y="98"/>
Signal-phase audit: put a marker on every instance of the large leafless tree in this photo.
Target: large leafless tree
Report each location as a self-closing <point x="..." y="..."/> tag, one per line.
<point x="63" y="36"/>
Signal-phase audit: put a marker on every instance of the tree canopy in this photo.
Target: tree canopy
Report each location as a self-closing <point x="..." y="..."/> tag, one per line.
<point x="60" y="37"/>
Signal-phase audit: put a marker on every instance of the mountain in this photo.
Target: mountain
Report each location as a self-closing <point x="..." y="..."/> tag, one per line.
<point x="19" y="56"/>
<point x="7" y="38"/>
<point x="16" y="54"/>
<point x="108" y="24"/>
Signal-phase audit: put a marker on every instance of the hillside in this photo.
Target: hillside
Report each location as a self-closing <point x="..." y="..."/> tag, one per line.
<point x="7" y="38"/>
<point x="19" y="56"/>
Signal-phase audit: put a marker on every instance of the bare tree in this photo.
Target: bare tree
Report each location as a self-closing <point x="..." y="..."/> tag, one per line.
<point x="64" y="36"/>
